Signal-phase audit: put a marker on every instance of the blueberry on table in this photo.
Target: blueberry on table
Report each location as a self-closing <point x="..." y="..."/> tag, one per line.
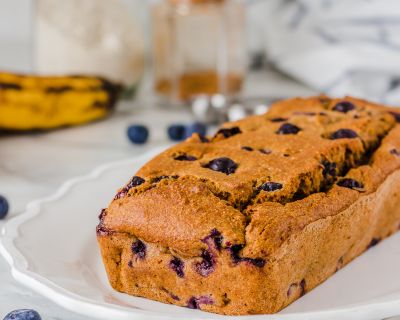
<point x="196" y="127"/>
<point x="176" y="132"/>
<point x="23" y="314"/>
<point x="3" y="207"/>
<point x="138" y="133"/>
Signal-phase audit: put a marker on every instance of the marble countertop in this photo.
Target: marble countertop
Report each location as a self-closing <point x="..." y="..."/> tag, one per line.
<point x="33" y="166"/>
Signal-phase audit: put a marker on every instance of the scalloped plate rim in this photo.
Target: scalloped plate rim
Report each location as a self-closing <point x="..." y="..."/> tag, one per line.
<point x="92" y="308"/>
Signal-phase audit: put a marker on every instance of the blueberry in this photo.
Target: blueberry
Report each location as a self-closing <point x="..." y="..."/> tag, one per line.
<point x="177" y="265"/>
<point x="329" y="168"/>
<point x="135" y="181"/>
<point x="176" y="132"/>
<point x="247" y="148"/>
<point x="138" y="133"/>
<point x="224" y="165"/>
<point x="3" y="207"/>
<point x="216" y="238"/>
<point x="344" y="106"/>
<point x="185" y="157"/>
<point x="396" y="115"/>
<point x="288" y="128"/>
<point x="344" y="134"/>
<point x="350" y="183"/>
<point x="236" y="258"/>
<point x="228" y="132"/>
<point x="258" y="262"/>
<point x="23" y="314"/>
<point x="196" y="127"/>
<point x="278" y="119"/>
<point x="373" y="242"/>
<point x="139" y="248"/>
<point x="271" y="186"/>
<point x="395" y="152"/>
<point x="102" y="214"/>
<point x="207" y="265"/>
<point x="194" y="303"/>
<point x="303" y="287"/>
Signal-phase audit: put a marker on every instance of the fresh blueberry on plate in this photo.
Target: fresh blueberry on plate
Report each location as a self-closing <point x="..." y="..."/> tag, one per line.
<point x="138" y="133"/>
<point x="3" y="207"/>
<point x="196" y="127"/>
<point x="176" y="132"/>
<point x="23" y="314"/>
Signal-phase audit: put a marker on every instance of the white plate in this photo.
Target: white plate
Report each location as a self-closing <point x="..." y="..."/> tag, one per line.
<point x="52" y="249"/>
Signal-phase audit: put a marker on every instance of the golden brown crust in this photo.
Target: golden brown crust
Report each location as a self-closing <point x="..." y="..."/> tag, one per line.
<point x="253" y="233"/>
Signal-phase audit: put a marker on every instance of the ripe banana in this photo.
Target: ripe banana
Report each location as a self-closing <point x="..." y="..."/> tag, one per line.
<point x="38" y="102"/>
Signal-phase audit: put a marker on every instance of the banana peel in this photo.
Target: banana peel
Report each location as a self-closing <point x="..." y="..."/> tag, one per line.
<point x="30" y="102"/>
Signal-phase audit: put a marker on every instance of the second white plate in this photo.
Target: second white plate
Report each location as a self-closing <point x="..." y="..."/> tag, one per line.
<point x="52" y="249"/>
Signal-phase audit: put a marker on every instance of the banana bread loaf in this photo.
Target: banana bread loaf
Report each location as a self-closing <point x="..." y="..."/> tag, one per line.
<point x="249" y="220"/>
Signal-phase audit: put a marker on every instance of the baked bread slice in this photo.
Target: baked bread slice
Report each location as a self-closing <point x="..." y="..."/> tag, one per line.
<point x="249" y="220"/>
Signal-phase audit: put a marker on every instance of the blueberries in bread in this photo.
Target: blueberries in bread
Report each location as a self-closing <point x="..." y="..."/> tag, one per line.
<point x="4" y="207"/>
<point x="278" y="119"/>
<point x="235" y="250"/>
<point x="396" y="115"/>
<point x="373" y="242"/>
<point x="224" y="165"/>
<point x="344" y="106"/>
<point x="207" y="265"/>
<point x="138" y="133"/>
<point x="343" y="134"/>
<point x="216" y="237"/>
<point x="135" y="181"/>
<point x="228" y="132"/>
<point x="194" y="303"/>
<point x="207" y="227"/>
<point x="395" y="152"/>
<point x="139" y="249"/>
<point x="350" y="183"/>
<point x="185" y="157"/>
<point x="329" y="168"/>
<point x="102" y="214"/>
<point x="177" y="265"/>
<point x="303" y="287"/>
<point x="271" y="186"/>
<point x="288" y="128"/>
<point x="176" y="132"/>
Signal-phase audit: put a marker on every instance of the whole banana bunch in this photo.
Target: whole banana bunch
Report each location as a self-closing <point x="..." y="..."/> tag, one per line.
<point x="37" y="102"/>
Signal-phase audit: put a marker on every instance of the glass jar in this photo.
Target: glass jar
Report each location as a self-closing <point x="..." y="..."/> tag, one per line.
<point x="198" y="48"/>
<point x="95" y="37"/>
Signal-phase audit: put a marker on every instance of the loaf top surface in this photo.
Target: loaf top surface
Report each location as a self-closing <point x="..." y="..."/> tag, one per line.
<point x="260" y="180"/>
